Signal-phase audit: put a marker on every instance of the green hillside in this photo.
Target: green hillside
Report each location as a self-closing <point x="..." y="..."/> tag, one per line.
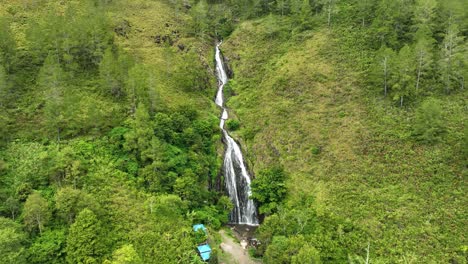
<point x="351" y="116"/>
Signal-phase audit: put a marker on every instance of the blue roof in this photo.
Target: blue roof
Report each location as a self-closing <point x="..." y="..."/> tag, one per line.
<point x="205" y="256"/>
<point x="205" y="251"/>
<point x="198" y="227"/>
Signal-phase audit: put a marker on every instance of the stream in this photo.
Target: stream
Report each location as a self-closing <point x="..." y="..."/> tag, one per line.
<point x="236" y="176"/>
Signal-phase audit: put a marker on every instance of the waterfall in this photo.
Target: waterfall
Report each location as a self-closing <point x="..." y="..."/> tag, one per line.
<point x="236" y="176"/>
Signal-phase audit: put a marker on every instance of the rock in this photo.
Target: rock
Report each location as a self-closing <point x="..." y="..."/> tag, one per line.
<point x="157" y="39"/>
<point x="123" y="28"/>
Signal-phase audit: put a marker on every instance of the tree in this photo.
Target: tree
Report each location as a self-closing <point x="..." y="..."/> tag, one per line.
<point x="282" y="7"/>
<point x="139" y="139"/>
<point x="48" y="248"/>
<point x="329" y="6"/>
<point x="85" y="239"/>
<point x="453" y="60"/>
<point x="385" y="67"/>
<point x="137" y="86"/>
<point x="108" y="71"/>
<point x="7" y="45"/>
<point x="126" y="254"/>
<point x="186" y="187"/>
<point x="51" y="82"/>
<point x="403" y="78"/>
<point x="423" y="52"/>
<point x="4" y="90"/>
<point x="269" y="189"/>
<point x="12" y="241"/>
<point x="387" y="15"/>
<point x="428" y="124"/>
<point x="307" y="254"/>
<point x="424" y="14"/>
<point x="282" y="250"/>
<point x="200" y="18"/>
<point x="36" y="212"/>
<point x="69" y="202"/>
<point x="13" y="206"/>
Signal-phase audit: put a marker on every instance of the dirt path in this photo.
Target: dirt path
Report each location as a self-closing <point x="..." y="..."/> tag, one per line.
<point x="239" y="255"/>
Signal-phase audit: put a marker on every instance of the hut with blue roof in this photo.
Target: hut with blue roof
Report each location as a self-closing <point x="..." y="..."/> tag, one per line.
<point x="203" y="249"/>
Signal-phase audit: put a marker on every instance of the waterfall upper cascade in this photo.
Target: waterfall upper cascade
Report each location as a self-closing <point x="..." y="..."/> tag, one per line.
<point x="236" y="176"/>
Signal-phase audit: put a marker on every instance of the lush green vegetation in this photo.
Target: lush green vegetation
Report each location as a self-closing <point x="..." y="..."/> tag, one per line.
<point x="364" y="104"/>
<point x="352" y="114"/>
<point x="108" y="154"/>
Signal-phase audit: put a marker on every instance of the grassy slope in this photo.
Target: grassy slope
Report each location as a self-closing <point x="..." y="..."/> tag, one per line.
<point x="295" y="100"/>
<point x="149" y="19"/>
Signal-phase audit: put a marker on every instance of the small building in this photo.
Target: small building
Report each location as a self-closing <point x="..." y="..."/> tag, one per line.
<point x="205" y="251"/>
<point x="200" y="227"/>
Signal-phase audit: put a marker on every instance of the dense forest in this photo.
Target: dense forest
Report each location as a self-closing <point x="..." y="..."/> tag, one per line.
<point x="351" y="114"/>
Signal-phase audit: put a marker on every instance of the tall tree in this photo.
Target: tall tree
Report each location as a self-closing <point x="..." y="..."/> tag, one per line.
<point x="12" y="242"/>
<point x="330" y="8"/>
<point x="108" y="71"/>
<point x="3" y="87"/>
<point x="126" y="254"/>
<point x="453" y="59"/>
<point x="69" y="202"/>
<point x="51" y="82"/>
<point x="283" y="7"/>
<point x="200" y="18"/>
<point x="48" y="248"/>
<point x="385" y="61"/>
<point x="424" y="13"/>
<point x="403" y="77"/>
<point x="423" y="54"/>
<point x="36" y="212"/>
<point x="137" y="86"/>
<point x="85" y="239"/>
<point x="7" y="45"/>
<point x="140" y="137"/>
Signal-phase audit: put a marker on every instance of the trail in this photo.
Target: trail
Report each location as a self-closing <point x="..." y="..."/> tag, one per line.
<point x="238" y="254"/>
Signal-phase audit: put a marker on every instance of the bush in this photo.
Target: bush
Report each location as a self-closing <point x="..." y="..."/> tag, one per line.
<point x="428" y="126"/>
<point x="232" y="125"/>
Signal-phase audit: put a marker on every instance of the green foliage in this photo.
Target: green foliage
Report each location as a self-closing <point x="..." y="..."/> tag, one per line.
<point x="113" y="73"/>
<point x="428" y="124"/>
<point x="452" y="61"/>
<point x="140" y="165"/>
<point x="269" y="189"/>
<point x="403" y="78"/>
<point x="85" y="240"/>
<point x="69" y="202"/>
<point x="12" y="242"/>
<point x="371" y="49"/>
<point x="48" y="248"/>
<point x="4" y="89"/>
<point x="78" y="35"/>
<point x="307" y="254"/>
<point x="125" y="255"/>
<point x="232" y="125"/>
<point x="7" y="44"/>
<point x="36" y="212"/>
<point x="51" y="82"/>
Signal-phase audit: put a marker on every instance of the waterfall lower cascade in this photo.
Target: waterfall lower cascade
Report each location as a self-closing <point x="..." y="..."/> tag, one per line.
<point x="235" y="173"/>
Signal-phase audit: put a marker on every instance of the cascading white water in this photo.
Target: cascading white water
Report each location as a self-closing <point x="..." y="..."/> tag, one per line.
<point x="236" y="176"/>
